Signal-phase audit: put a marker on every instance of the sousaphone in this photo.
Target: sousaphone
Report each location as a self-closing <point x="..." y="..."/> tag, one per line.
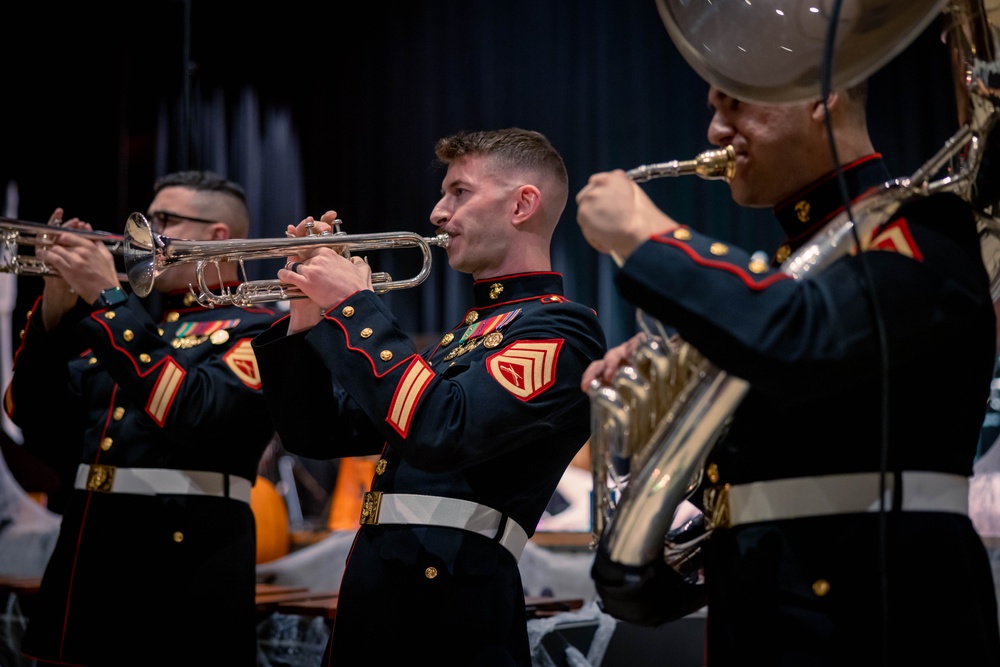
<point x="674" y="400"/>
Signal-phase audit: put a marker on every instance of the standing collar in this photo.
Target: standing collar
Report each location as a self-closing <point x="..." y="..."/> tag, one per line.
<point x="500" y="289"/>
<point x="802" y="214"/>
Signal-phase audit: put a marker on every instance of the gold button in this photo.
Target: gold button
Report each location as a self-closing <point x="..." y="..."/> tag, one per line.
<point x="385" y="355"/>
<point x="783" y="253"/>
<point x="682" y="234"/>
<point x="431" y="572"/>
<point x="21" y="334"/>
<point x="348" y="311"/>
<point x="713" y="473"/>
<point x="173" y="316"/>
<point x="448" y="337"/>
<point x="719" y="249"/>
<point x="381" y="466"/>
<point x="144" y="358"/>
<point x="190" y="299"/>
<point x="758" y="266"/>
<point x="92" y="361"/>
<point x="471" y="317"/>
<point x="821" y="587"/>
<point x="160" y="331"/>
<point x="178" y="537"/>
<point x="30" y="312"/>
<point x="366" y="332"/>
<point x="128" y="335"/>
<point x="109" y="315"/>
<point x="106" y="444"/>
<point x="119" y="413"/>
<point x="803" y="211"/>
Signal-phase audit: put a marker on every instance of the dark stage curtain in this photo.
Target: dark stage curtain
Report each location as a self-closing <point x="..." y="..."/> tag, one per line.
<point x="337" y="106"/>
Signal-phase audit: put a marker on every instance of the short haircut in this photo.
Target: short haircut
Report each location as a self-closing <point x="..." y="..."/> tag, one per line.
<point x="202" y="181"/>
<point x="231" y="207"/>
<point x="512" y="148"/>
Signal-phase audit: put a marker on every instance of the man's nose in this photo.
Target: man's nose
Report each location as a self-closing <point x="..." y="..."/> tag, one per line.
<point x="720" y="132"/>
<point x="439" y="216"/>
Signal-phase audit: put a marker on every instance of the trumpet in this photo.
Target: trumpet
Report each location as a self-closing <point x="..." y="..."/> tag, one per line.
<point x="16" y="233"/>
<point x="718" y="164"/>
<point x="147" y="254"/>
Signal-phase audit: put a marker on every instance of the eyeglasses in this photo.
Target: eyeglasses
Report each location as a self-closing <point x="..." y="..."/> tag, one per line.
<point x="160" y="220"/>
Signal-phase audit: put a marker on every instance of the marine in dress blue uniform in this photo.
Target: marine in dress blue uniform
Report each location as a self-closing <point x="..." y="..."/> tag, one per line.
<point x="475" y="431"/>
<point x="175" y="406"/>
<point x="810" y="350"/>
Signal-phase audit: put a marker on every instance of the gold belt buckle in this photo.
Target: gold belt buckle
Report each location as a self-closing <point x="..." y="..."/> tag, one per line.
<point x="716" y="500"/>
<point x="369" y="508"/>
<point x="101" y="478"/>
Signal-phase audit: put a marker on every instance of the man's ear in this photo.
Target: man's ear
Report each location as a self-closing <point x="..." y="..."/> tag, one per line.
<point x="529" y="200"/>
<point x="819" y="113"/>
<point x="220" y="232"/>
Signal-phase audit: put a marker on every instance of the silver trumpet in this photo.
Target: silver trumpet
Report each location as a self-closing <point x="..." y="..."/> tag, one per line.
<point x="16" y="233"/>
<point x="147" y="254"/>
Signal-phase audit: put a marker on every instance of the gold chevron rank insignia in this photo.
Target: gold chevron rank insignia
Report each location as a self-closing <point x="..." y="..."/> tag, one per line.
<point x="243" y="363"/>
<point x="896" y="238"/>
<point x="167" y="385"/>
<point x="525" y="368"/>
<point x="408" y="393"/>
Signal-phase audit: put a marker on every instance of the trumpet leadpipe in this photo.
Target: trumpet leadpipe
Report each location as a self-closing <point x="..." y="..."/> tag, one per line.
<point x="719" y="164"/>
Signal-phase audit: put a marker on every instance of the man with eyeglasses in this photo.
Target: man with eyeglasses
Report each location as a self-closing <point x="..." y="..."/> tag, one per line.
<point x="166" y="422"/>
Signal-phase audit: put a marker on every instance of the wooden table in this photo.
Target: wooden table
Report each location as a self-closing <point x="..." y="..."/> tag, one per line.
<point x="323" y="604"/>
<point x="272" y="598"/>
<point x="19" y="585"/>
<point x="299" y="600"/>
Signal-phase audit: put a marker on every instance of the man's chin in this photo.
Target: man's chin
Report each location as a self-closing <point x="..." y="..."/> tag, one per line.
<point x="749" y="199"/>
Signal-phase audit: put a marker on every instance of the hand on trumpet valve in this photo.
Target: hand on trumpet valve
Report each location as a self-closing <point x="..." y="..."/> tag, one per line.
<point x="83" y="266"/>
<point x="56" y="218"/>
<point x="326" y="277"/>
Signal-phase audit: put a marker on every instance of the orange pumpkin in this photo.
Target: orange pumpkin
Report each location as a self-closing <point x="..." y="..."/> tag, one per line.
<point x="354" y="478"/>
<point x="271" y="517"/>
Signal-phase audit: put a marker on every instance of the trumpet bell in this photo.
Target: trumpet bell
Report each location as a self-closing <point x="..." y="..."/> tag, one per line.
<point x="139" y="254"/>
<point x="772" y="51"/>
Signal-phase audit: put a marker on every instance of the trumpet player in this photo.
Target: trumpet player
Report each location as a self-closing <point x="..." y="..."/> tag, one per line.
<point x="880" y="362"/>
<point x="162" y="422"/>
<point x="473" y="434"/>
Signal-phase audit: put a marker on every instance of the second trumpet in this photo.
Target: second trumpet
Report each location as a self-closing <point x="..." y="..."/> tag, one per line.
<point x="147" y="254"/>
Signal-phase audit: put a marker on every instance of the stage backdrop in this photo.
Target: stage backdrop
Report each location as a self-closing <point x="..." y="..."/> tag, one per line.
<point x="337" y="106"/>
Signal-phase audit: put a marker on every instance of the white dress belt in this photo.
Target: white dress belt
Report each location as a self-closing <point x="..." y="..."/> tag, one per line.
<point x="407" y="508"/>
<point x="156" y="481"/>
<point x="845" y="494"/>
